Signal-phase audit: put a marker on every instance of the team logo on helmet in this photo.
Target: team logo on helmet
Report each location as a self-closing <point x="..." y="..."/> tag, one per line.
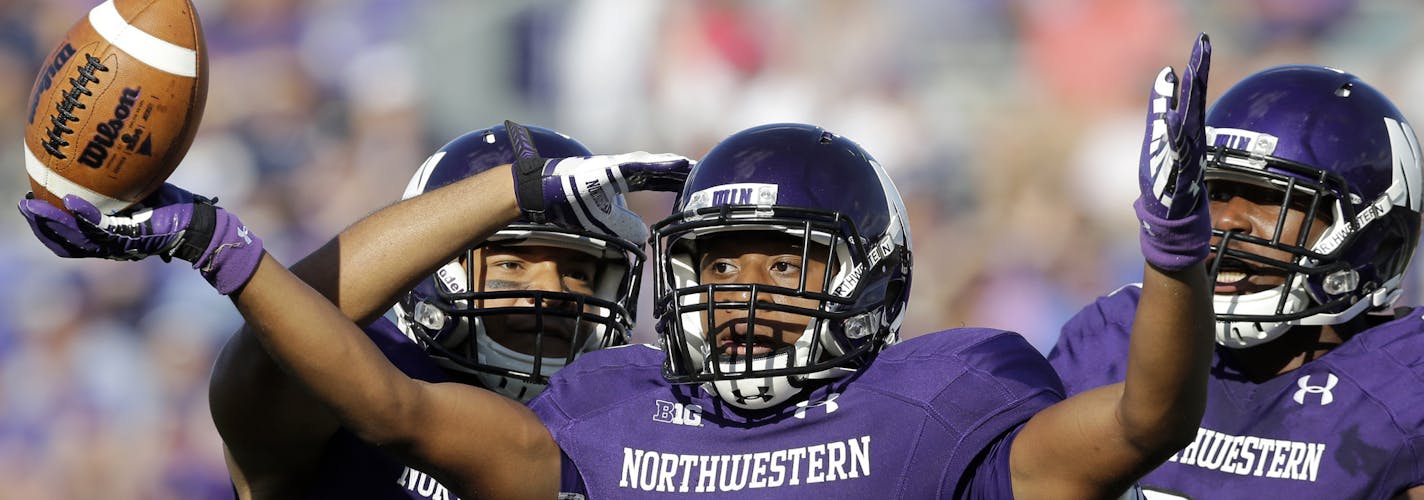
<point x="733" y="194"/>
<point x="1246" y="140"/>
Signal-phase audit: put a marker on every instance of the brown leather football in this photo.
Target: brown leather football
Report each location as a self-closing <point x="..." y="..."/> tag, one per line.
<point x="117" y="102"/>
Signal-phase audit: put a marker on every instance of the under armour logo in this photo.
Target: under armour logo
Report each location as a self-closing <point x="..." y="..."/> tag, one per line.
<point x="763" y="394"/>
<point x="1323" y="390"/>
<point x="829" y="403"/>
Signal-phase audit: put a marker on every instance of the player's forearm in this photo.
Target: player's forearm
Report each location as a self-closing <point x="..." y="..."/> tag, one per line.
<point x="1164" y="394"/>
<point x="363" y="269"/>
<point x="328" y="353"/>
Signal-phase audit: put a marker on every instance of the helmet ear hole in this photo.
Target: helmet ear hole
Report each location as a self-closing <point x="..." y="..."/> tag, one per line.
<point x="894" y="293"/>
<point x="1388" y="260"/>
<point x="1397" y="237"/>
<point x="895" y="301"/>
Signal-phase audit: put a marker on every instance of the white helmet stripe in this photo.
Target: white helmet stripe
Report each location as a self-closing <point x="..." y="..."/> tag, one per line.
<point x="422" y="176"/>
<point x="1405" y="150"/>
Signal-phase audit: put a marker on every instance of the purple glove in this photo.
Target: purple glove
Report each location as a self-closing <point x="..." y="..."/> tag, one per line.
<point x="583" y="192"/>
<point x="169" y="223"/>
<point x="1176" y="228"/>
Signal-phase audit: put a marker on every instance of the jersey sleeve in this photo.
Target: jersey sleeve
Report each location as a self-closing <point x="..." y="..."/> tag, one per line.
<point x="586" y="387"/>
<point x="1002" y="382"/>
<point x="571" y="483"/>
<point x="403" y="352"/>
<point x="546" y="406"/>
<point x="990" y="475"/>
<point x="1388" y="363"/>
<point x="1092" y="348"/>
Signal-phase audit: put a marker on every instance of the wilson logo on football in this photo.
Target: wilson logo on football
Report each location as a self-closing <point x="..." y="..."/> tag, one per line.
<point x="106" y="134"/>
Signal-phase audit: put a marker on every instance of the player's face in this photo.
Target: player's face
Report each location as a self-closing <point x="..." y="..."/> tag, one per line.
<point x="761" y="258"/>
<point x="1256" y="211"/>
<point x="534" y="268"/>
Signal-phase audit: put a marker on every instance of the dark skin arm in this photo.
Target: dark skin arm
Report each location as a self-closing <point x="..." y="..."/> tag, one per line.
<point x="273" y="430"/>
<point x="427" y="425"/>
<point x="1095" y="444"/>
<point x="274" y="427"/>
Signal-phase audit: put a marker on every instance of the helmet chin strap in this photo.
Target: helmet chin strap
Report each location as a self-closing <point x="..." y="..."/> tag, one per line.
<point x="491" y="353"/>
<point x="766" y="392"/>
<point x="755" y="393"/>
<point x="495" y="354"/>
<point x="760" y="392"/>
<point x="1244" y="334"/>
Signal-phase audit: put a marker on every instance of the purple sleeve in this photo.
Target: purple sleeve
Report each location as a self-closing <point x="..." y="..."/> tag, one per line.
<point x="544" y="405"/>
<point x="1092" y="347"/>
<point x="570" y="479"/>
<point x="1007" y="382"/>
<point x="991" y="477"/>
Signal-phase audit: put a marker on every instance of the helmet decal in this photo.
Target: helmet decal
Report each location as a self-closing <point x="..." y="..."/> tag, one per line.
<point x="1404" y="145"/>
<point x="732" y="194"/>
<point x="1246" y="140"/>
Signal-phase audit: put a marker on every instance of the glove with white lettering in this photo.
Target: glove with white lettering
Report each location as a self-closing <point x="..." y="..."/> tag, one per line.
<point x="584" y="192"/>
<point x="169" y="223"/>
<point x="1176" y="228"/>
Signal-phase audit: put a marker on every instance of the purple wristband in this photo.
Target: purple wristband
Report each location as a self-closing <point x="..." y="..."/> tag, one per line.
<point x="1174" y="245"/>
<point x="231" y="256"/>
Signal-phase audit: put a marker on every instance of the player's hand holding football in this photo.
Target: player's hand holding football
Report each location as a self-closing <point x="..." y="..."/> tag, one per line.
<point x="577" y="192"/>
<point x="1176" y="228"/>
<point x="169" y="223"/>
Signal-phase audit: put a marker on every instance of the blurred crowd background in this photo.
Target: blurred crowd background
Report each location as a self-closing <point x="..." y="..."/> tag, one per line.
<point x="1012" y="127"/>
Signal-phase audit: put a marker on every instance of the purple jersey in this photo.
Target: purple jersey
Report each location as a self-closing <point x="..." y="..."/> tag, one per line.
<point x="928" y="419"/>
<point x="351" y="468"/>
<point x="1346" y="425"/>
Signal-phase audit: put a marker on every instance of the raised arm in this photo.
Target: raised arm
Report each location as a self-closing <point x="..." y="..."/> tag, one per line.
<point x="365" y="267"/>
<point x="1096" y="444"/>
<point x="434" y="426"/>
<point x="473" y="440"/>
<point x="273" y="429"/>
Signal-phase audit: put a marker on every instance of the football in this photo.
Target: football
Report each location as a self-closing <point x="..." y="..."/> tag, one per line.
<point x="116" y="103"/>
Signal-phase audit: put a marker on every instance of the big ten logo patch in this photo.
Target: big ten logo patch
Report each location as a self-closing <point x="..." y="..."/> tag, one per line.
<point x="677" y="413"/>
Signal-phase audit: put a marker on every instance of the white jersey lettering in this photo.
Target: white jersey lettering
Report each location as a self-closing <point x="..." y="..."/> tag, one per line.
<point x="667" y="472"/>
<point x="1252" y="456"/>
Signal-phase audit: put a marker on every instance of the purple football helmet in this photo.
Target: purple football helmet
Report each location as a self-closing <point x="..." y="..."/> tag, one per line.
<point x="784" y="179"/>
<point x="1334" y="148"/>
<point x="443" y="311"/>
